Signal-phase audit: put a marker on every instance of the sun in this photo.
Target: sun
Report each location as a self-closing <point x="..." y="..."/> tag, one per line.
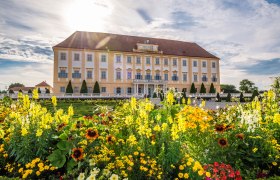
<point x="87" y="15"/>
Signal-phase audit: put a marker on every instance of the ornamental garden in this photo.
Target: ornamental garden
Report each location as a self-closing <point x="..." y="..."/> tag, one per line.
<point x="135" y="139"/>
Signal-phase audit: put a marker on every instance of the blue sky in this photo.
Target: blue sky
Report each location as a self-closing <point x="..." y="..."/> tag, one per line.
<point x="243" y="33"/>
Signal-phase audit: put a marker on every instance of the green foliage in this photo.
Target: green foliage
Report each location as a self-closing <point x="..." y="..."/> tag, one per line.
<point x="84" y="87"/>
<point x="247" y="86"/>
<point x="241" y="97"/>
<point x="29" y="91"/>
<point x="212" y="89"/>
<point x="218" y="97"/>
<point x="96" y="88"/>
<point x="11" y="91"/>
<point x="228" y="99"/>
<point x="228" y="88"/>
<point x="154" y="95"/>
<point x="202" y="88"/>
<point x="276" y="86"/>
<point x="69" y="88"/>
<point x="193" y="89"/>
<point x="15" y="85"/>
<point x="254" y="94"/>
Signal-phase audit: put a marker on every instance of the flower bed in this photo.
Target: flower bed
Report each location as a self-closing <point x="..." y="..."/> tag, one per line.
<point x="140" y="141"/>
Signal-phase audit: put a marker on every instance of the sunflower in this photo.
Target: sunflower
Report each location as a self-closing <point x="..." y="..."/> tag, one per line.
<point x="240" y="136"/>
<point x="220" y="128"/>
<point x="92" y="134"/>
<point x="78" y="124"/>
<point x="222" y="142"/>
<point x="78" y="154"/>
<point x="110" y="139"/>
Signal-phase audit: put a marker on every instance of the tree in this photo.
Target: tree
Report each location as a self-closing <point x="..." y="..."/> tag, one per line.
<point x="212" y="89"/>
<point x="255" y="93"/>
<point x="84" y="87"/>
<point x="228" y="99"/>
<point x="39" y="90"/>
<point x="193" y="89"/>
<point x="11" y="91"/>
<point x="202" y="89"/>
<point x="218" y="98"/>
<point x="96" y="88"/>
<point x="276" y="86"/>
<point x="247" y="86"/>
<point x="228" y="88"/>
<point x="69" y="88"/>
<point x="155" y="95"/>
<point x="29" y="91"/>
<point x="47" y="91"/>
<point x="241" y="97"/>
<point x="161" y="95"/>
<point x="15" y="85"/>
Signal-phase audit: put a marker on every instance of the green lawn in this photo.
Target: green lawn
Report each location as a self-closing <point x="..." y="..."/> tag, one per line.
<point x="81" y="107"/>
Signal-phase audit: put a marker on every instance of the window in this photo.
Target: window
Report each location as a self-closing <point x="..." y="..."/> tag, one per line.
<point x="103" y="89"/>
<point x="62" y="74"/>
<point x="185" y="77"/>
<point x="157" y="61"/>
<point x="204" y="64"/>
<point x="129" y="75"/>
<point x="118" y="90"/>
<point x="148" y="60"/>
<point x="129" y="90"/>
<point x="148" y="76"/>
<point x="128" y="59"/>
<point x="213" y="65"/>
<point x="89" y="74"/>
<point x="166" y="77"/>
<point x="138" y="60"/>
<point x="174" y="77"/>
<point x="76" y="57"/>
<point x="62" y="89"/>
<point x="204" y="77"/>
<point x="76" y="89"/>
<point x="214" y="78"/>
<point x="184" y="62"/>
<point x="103" y="75"/>
<point x="89" y="57"/>
<point x="194" y="63"/>
<point x="195" y="77"/>
<point x="138" y="76"/>
<point x="89" y="90"/>
<point x="62" y="56"/>
<point x="157" y="77"/>
<point x="103" y="58"/>
<point x="118" y="58"/>
<point x="174" y="62"/>
<point x="118" y="75"/>
<point x="76" y="74"/>
<point x="165" y="61"/>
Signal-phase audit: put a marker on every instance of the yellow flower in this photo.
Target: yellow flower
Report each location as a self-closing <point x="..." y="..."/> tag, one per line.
<point x="133" y="103"/>
<point x="39" y="132"/>
<point x="54" y="101"/>
<point x="24" y="131"/>
<point x="38" y="173"/>
<point x="200" y="172"/>
<point x="157" y="128"/>
<point x="181" y="167"/>
<point x="170" y="98"/>
<point x="136" y="153"/>
<point x="189" y="101"/>
<point x="180" y="175"/>
<point x="35" y="94"/>
<point x="70" y="111"/>
<point x="132" y="140"/>
<point x="20" y="170"/>
<point x="41" y="165"/>
<point x="208" y="174"/>
<point x="274" y="163"/>
<point x="186" y="175"/>
<point x="255" y="150"/>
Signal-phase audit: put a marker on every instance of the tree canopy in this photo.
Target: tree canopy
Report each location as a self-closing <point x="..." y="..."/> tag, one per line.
<point x="229" y="88"/>
<point x="15" y="85"/>
<point x="247" y="86"/>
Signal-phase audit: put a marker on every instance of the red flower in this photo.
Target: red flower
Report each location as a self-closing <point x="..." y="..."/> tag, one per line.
<point x="237" y="173"/>
<point x="216" y="164"/>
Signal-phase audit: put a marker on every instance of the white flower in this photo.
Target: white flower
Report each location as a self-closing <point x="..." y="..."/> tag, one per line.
<point x="106" y="172"/>
<point x="81" y="176"/>
<point x="114" y="177"/>
<point x="95" y="171"/>
<point x="91" y="177"/>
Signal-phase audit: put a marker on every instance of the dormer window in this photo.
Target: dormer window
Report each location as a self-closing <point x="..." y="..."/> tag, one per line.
<point x="147" y="47"/>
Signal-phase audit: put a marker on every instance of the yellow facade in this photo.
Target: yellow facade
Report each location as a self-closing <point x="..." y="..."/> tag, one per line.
<point x="65" y="64"/>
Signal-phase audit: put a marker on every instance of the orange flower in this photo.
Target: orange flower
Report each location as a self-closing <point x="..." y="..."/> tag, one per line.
<point x="110" y="139"/>
<point x="92" y="134"/>
<point x="222" y="142"/>
<point x="240" y="136"/>
<point x="78" y="154"/>
<point x="220" y="128"/>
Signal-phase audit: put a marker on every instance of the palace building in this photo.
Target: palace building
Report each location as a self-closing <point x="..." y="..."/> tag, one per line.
<point x="131" y="65"/>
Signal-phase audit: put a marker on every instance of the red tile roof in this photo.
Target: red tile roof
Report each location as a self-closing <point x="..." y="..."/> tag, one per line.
<point x="21" y="88"/>
<point x="43" y="83"/>
<point x="125" y="43"/>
